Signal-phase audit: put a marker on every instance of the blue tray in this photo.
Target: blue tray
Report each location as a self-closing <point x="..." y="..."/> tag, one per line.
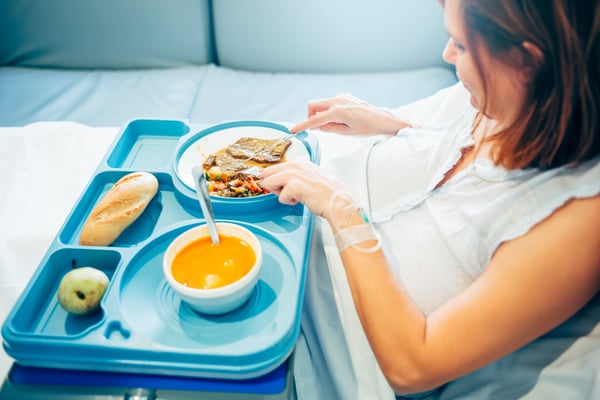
<point x="143" y="326"/>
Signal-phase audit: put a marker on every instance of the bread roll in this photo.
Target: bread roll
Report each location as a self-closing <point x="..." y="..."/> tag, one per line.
<point x="121" y="206"/>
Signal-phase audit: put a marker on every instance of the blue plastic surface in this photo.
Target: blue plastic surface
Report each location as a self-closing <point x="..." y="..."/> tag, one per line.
<point x="143" y="327"/>
<point x="273" y="382"/>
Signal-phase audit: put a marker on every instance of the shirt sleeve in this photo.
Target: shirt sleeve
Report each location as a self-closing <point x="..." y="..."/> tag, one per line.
<point x="439" y="108"/>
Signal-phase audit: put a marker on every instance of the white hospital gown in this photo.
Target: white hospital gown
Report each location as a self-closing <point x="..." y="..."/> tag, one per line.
<point x="438" y="241"/>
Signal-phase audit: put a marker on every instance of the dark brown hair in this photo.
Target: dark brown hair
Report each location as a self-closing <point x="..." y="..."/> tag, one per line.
<point x="560" y="123"/>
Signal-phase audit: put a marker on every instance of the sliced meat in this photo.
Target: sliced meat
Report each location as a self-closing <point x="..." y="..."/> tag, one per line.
<point x="224" y="167"/>
<point x="228" y="165"/>
<point x="260" y="150"/>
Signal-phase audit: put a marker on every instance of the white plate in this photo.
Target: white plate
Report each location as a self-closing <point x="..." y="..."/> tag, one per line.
<point x="199" y="150"/>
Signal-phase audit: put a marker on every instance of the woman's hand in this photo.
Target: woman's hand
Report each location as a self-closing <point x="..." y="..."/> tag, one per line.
<point x="301" y="181"/>
<point x="346" y="114"/>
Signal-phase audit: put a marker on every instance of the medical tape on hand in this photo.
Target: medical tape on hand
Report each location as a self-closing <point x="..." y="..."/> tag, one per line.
<point x="355" y="234"/>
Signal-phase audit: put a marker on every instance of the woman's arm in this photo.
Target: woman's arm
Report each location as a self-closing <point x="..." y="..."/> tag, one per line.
<point x="532" y="284"/>
<point x="348" y="115"/>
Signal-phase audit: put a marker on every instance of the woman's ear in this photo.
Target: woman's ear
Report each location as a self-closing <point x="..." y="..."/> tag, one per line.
<point x="532" y="61"/>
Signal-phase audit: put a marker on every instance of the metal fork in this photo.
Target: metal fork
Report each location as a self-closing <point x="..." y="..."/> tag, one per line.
<point x="271" y="147"/>
<point x="255" y="170"/>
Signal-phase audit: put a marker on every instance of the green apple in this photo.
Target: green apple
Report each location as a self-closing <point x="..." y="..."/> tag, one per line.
<point x="81" y="289"/>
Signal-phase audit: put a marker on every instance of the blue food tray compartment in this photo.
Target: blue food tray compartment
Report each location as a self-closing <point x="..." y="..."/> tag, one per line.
<point x="143" y="327"/>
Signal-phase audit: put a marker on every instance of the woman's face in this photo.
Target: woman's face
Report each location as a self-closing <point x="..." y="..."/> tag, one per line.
<point x="506" y="91"/>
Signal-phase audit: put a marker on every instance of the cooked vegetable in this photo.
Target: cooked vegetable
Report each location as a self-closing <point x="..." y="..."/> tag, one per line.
<point x="242" y="186"/>
<point x="224" y="169"/>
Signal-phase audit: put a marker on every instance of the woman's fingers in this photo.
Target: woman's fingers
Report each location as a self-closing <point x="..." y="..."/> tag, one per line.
<point x="287" y="194"/>
<point x="326" y="114"/>
<point x="274" y="169"/>
<point x="300" y="181"/>
<point x="281" y="180"/>
<point x="315" y="121"/>
<point x="302" y="126"/>
<point x="332" y="115"/>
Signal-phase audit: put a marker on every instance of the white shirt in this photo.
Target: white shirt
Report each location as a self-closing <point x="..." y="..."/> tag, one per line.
<point x="438" y="241"/>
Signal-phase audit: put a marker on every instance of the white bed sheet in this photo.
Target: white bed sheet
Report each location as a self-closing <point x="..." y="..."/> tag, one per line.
<point x="44" y="167"/>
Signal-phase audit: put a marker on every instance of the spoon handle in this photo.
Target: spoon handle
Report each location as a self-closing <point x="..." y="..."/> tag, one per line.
<point x="205" y="203"/>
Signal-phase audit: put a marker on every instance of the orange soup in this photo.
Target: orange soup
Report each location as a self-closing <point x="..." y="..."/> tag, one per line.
<point x="204" y="265"/>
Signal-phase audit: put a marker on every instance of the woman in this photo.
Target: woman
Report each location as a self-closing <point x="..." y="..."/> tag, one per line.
<point x="483" y="242"/>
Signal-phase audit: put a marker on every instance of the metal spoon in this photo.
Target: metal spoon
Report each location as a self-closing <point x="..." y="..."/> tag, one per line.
<point x="205" y="203"/>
